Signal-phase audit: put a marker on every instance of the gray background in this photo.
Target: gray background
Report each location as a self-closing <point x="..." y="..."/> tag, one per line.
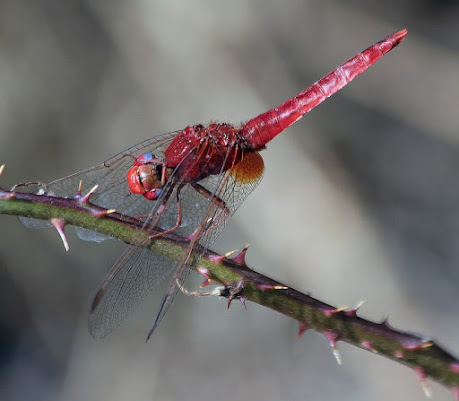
<point x="359" y="201"/>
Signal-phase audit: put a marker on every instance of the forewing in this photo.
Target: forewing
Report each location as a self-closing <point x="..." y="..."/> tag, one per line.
<point x="138" y="271"/>
<point x="110" y="177"/>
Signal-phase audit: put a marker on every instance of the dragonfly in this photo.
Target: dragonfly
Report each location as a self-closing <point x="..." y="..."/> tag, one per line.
<point x="188" y="182"/>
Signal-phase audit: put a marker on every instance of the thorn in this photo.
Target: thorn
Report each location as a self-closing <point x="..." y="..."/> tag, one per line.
<point x="7" y="195"/>
<point x="333" y="338"/>
<point x="230" y="300"/>
<point x="193" y="234"/>
<point x="215" y="292"/>
<point x="102" y="213"/>
<point x="422" y="378"/>
<point x="206" y="283"/>
<point x="228" y="254"/>
<point x="85" y="199"/>
<point x="417" y="343"/>
<point x="454" y="367"/>
<point x="2" y="167"/>
<point x="330" y="312"/>
<point x="367" y="345"/>
<point x="455" y="391"/>
<point x="426" y="389"/>
<point x="206" y="274"/>
<point x="385" y="322"/>
<point x="353" y="312"/>
<point x="399" y="354"/>
<point x="59" y="225"/>
<point x="184" y="290"/>
<point x="216" y="258"/>
<point x="240" y="259"/>
<point x="268" y="287"/>
<point x="302" y="329"/>
<point x="203" y="271"/>
<point x="236" y="293"/>
<point x="240" y="286"/>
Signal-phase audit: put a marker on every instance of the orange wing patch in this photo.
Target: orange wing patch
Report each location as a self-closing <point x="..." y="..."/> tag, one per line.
<point x="249" y="169"/>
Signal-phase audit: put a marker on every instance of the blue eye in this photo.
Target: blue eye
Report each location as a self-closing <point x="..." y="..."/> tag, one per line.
<point x="147" y="156"/>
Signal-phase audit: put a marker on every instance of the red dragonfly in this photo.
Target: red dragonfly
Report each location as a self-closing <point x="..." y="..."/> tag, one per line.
<point x="189" y="182"/>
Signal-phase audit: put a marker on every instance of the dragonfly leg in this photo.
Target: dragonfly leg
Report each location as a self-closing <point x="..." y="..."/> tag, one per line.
<point x="179" y="216"/>
<point x="217" y="291"/>
<point x="214" y="221"/>
<point x="25" y="184"/>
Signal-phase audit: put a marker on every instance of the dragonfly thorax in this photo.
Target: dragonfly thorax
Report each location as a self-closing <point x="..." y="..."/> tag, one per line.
<point x="200" y="151"/>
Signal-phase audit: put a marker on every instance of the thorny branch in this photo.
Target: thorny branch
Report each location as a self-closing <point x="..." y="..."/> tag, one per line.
<point x="238" y="281"/>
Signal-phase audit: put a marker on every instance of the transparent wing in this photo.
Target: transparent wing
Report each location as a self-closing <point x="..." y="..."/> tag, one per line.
<point x="231" y="187"/>
<point x="110" y="176"/>
<point x="126" y="286"/>
<point x="137" y="272"/>
<point x="112" y="191"/>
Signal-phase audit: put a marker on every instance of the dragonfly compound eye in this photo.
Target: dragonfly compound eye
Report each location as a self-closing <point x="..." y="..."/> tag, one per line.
<point x="144" y="158"/>
<point x="154" y="194"/>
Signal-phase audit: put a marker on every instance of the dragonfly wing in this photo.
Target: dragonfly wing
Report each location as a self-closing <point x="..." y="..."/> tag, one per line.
<point x="231" y="187"/>
<point x="110" y="177"/>
<point x="177" y="281"/>
<point x="34" y="224"/>
<point x="138" y="271"/>
<point x="129" y="281"/>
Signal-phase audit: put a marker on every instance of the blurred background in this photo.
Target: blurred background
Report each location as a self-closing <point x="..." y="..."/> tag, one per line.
<point x="360" y="199"/>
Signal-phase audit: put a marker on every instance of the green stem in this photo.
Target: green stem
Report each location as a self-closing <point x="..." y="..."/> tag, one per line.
<point x="239" y="282"/>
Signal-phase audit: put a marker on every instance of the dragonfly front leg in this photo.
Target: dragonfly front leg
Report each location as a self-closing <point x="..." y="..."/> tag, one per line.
<point x="161" y="210"/>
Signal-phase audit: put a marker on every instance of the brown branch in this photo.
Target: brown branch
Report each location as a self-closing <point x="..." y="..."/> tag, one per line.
<point x="426" y="357"/>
